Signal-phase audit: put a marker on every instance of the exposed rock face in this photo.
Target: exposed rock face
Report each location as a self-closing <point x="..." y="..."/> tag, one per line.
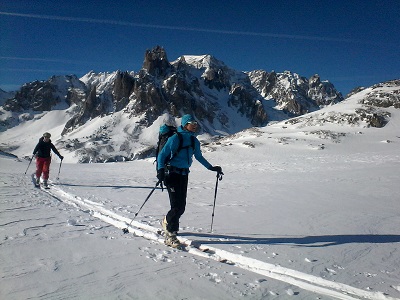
<point x="381" y="98"/>
<point x="122" y="89"/>
<point x="91" y="108"/>
<point x="45" y="95"/>
<point x="372" y="111"/>
<point x="243" y="100"/>
<point x="322" y="93"/>
<point x="156" y="62"/>
<point x="294" y="94"/>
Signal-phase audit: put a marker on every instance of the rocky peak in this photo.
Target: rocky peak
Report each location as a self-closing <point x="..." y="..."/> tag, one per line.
<point x="203" y="61"/>
<point x="156" y="62"/>
<point x="314" y="81"/>
<point x="322" y="92"/>
<point x="215" y="73"/>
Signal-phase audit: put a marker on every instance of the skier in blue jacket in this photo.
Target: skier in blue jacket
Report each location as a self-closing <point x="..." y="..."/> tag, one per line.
<point x="173" y="163"/>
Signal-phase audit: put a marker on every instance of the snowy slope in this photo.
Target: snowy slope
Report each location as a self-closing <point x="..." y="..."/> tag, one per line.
<point x="307" y="209"/>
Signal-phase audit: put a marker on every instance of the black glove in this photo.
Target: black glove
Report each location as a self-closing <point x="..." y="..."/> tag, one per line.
<point x="217" y="169"/>
<point x="61" y="157"/>
<point x="161" y="175"/>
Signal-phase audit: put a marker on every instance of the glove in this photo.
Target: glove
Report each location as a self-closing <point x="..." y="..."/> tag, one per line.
<point x="61" y="157"/>
<point x="161" y="175"/>
<point x="217" y="169"/>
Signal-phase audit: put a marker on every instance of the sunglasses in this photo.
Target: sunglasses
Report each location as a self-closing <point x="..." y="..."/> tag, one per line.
<point x="192" y="123"/>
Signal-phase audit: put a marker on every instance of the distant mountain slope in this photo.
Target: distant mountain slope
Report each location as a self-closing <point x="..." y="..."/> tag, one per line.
<point x="372" y="111"/>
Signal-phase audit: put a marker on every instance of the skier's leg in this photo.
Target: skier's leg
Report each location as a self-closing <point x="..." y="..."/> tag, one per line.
<point x="177" y="190"/>
<point x="39" y="168"/>
<point x="46" y="168"/>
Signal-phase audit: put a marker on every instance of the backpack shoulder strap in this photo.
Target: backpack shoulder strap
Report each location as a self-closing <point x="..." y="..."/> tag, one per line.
<point x="180" y="137"/>
<point x="192" y="139"/>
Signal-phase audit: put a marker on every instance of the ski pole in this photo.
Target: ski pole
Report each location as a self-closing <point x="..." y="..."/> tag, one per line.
<point x="29" y="163"/>
<point x="219" y="177"/>
<point x="59" y="169"/>
<point x="126" y="230"/>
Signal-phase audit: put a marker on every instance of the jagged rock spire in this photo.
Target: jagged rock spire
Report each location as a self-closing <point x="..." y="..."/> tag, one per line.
<point x="156" y="62"/>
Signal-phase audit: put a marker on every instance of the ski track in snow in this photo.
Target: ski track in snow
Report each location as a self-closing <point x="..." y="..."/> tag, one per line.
<point x="302" y="280"/>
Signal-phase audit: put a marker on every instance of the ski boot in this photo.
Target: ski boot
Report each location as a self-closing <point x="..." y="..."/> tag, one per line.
<point x="171" y="240"/>
<point x="170" y="237"/>
<point x="45" y="184"/>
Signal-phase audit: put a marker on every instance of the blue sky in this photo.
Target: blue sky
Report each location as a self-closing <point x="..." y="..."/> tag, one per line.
<point x="350" y="44"/>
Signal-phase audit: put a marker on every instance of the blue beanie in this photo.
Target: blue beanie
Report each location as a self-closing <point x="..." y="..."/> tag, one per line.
<point x="186" y="119"/>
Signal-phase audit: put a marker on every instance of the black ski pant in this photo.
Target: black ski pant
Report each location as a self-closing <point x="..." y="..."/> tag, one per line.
<point x="177" y="190"/>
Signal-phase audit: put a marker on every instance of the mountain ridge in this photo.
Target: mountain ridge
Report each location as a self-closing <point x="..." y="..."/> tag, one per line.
<point x="120" y="112"/>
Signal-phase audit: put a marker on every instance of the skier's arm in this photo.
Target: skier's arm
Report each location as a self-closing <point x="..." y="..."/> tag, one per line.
<point x="199" y="156"/>
<point x="36" y="149"/>
<point x="56" y="151"/>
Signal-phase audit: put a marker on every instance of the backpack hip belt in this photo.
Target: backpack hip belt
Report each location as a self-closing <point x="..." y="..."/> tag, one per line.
<point x="181" y="171"/>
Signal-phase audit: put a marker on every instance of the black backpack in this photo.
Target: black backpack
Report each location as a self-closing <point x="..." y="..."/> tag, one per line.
<point x="166" y="131"/>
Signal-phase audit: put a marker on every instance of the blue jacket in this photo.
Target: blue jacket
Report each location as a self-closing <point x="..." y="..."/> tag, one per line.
<point x="184" y="158"/>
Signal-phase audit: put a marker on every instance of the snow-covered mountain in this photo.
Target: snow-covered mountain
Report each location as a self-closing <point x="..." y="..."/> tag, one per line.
<point x="115" y="116"/>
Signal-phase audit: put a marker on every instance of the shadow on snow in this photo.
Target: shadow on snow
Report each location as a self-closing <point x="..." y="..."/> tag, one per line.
<point x="109" y="186"/>
<point x="302" y="241"/>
